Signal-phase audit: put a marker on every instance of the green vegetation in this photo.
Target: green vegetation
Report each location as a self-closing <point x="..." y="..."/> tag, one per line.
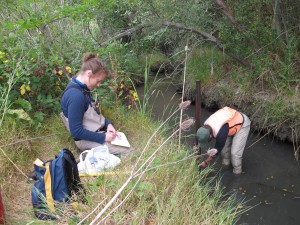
<point x="173" y="179"/>
<point x="245" y="53"/>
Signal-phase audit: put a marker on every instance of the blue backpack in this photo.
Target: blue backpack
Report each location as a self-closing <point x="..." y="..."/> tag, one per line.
<point x="57" y="181"/>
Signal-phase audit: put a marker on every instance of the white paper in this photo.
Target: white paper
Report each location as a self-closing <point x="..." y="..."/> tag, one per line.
<point x="121" y="140"/>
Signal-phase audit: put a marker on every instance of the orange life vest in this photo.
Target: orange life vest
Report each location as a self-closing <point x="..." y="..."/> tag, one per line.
<point x="225" y="115"/>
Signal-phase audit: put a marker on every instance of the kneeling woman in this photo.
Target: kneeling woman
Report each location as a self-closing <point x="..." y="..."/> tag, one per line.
<point x="80" y="112"/>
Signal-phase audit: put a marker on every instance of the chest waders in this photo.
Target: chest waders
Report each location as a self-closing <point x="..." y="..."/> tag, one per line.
<point x="235" y="145"/>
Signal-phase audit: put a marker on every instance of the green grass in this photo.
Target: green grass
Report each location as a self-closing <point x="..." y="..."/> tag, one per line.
<point x="168" y="194"/>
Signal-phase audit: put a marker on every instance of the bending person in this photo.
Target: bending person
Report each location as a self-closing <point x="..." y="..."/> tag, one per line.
<point x="230" y="128"/>
<point x="81" y="113"/>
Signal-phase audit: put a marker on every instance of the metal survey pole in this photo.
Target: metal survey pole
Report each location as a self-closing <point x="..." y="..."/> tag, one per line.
<point x="198" y="107"/>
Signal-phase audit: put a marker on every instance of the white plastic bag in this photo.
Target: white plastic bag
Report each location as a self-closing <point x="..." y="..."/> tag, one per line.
<point x="97" y="160"/>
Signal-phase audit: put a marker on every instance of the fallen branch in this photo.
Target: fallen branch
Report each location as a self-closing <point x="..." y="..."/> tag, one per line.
<point x="228" y="13"/>
<point x="204" y="34"/>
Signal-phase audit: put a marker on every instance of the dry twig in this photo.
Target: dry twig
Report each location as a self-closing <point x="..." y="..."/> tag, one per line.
<point x="135" y="171"/>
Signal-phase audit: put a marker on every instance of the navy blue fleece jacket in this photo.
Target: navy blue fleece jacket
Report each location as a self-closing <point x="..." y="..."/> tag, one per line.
<point x="74" y="103"/>
<point x="221" y="137"/>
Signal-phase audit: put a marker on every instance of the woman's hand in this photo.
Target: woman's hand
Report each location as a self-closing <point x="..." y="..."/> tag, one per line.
<point x="109" y="136"/>
<point x="111" y="133"/>
<point x="110" y="128"/>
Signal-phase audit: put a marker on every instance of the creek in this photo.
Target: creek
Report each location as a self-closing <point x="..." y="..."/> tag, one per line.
<point x="270" y="183"/>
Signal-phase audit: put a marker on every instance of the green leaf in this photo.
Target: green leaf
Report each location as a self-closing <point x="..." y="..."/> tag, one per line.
<point x="20" y="113"/>
<point x="24" y="104"/>
<point x="39" y="116"/>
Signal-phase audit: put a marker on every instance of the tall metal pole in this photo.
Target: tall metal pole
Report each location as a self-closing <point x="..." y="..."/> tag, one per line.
<point x="198" y="107"/>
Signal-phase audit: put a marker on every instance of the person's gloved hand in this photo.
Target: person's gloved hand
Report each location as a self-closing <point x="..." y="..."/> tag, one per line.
<point x="205" y="163"/>
<point x="212" y="152"/>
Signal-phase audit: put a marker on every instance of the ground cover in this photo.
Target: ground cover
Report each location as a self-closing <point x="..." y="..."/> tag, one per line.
<point x="172" y="192"/>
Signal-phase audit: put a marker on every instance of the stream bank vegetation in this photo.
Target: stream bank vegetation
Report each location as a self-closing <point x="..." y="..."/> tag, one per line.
<point x="170" y="191"/>
<point x="246" y="55"/>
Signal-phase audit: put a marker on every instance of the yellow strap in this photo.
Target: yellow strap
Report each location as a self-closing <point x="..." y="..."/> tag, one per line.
<point x="103" y="173"/>
<point x="48" y="187"/>
<point x="74" y="205"/>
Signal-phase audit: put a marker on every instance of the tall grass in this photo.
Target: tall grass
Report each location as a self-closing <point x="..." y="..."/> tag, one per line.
<point x="173" y="192"/>
<point x="149" y="91"/>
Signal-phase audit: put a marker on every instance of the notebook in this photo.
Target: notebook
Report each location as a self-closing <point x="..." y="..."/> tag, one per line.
<point x="121" y="140"/>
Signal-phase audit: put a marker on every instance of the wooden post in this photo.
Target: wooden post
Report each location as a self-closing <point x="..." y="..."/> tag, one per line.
<point x="198" y="107"/>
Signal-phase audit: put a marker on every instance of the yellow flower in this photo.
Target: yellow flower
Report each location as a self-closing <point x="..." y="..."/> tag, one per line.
<point x="135" y="96"/>
<point x="68" y="69"/>
<point x="60" y="72"/>
<point x="27" y="87"/>
<point x="24" y="88"/>
<point x="5" y="61"/>
<point x="1" y="54"/>
<point x="121" y="86"/>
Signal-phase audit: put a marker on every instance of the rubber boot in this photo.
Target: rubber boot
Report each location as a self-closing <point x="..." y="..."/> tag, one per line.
<point x="237" y="170"/>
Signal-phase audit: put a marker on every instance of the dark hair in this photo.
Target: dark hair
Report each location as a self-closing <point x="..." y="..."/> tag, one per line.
<point x="91" y="61"/>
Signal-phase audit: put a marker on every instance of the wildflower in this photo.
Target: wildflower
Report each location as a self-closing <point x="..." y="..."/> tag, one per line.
<point x="68" y="69"/>
<point x="59" y="72"/>
<point x="5" y="61"/>
<point x="24" y="88"/>
<point x="134" y="95"/>
<point x="121" y="86"/>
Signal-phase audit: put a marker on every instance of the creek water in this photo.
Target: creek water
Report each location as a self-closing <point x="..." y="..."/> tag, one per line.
<point x="270" y="183"/>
